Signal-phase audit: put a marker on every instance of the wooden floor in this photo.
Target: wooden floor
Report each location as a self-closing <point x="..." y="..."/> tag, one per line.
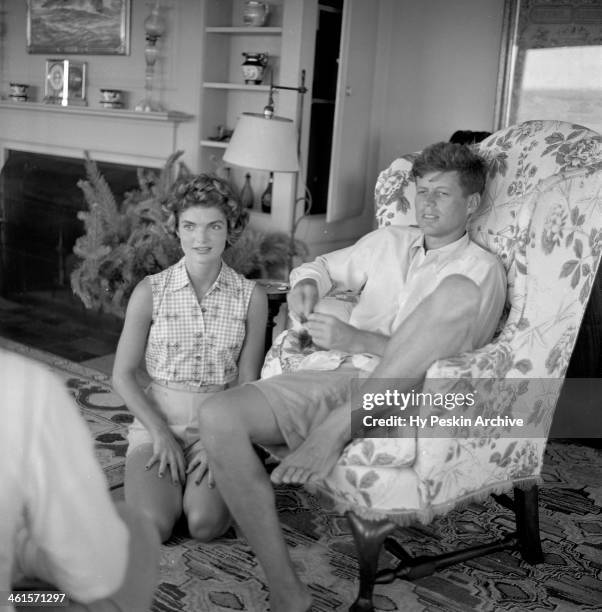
<point x="77" y="337"/>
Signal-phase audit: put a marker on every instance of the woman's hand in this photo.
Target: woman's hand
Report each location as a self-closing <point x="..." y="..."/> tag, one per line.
<point x="200" y="463"/>
<point x="168" y="453"/>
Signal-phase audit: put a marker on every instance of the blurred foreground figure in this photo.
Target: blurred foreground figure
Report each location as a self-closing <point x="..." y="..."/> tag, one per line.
<point x="59" y="528"/>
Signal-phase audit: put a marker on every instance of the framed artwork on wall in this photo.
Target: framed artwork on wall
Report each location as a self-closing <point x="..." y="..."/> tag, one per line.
<point x="551" y="62"/>
<point x="92" y="27"/>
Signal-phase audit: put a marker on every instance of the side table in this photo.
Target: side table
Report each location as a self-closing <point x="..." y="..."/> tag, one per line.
<point x="276" y="291"/>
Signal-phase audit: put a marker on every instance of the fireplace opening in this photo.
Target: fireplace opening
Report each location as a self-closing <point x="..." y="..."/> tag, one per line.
<point x="39" y="201"/>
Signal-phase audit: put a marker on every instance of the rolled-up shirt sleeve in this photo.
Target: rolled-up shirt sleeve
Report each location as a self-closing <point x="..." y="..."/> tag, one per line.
<point x="346" y="269"/>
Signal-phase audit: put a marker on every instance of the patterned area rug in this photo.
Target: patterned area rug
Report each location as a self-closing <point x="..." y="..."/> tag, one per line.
<point x="224" y="576"/>
<point x="102" y="408"/>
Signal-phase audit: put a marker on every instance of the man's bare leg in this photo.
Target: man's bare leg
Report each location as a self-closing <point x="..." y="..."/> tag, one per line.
<point x="439" y="327"/>
<point x="229" y="423"/>
<point x="320" y="451"/>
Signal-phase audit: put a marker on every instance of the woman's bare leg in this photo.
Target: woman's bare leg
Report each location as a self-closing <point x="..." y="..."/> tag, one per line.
<point x="159" y="498"/>
<point x="206" y="511"/>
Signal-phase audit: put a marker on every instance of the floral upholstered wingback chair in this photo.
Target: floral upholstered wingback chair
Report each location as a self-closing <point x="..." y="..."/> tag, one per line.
<point x="541" y="213"/>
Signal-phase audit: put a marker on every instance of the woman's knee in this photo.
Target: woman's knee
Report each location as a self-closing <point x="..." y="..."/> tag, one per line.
<point x="163" y="524"/>
<point x="205" y="526"/>
<point x="155" y="498"/>
<point x="162" y="520"/>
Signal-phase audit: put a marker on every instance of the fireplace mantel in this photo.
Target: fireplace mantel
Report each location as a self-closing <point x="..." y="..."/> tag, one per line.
<point x="113" y="135"/>
<point x="170" y="116"/>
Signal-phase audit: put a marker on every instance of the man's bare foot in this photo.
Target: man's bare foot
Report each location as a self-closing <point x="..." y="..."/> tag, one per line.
<point x="313" y="460"/>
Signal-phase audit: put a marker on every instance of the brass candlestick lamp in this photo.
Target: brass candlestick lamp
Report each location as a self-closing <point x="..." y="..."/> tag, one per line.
<point x="154" y="27"/>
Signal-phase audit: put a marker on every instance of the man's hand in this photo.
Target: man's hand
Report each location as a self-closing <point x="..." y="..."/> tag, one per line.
<point x="328" y="332"/>
<point x="302" y="298"/>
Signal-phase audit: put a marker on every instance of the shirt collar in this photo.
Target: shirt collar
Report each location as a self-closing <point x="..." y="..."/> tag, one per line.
<point x="459" y="244"/>
<point x="225" y="281"/>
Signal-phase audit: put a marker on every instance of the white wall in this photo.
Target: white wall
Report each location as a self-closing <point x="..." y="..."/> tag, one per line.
<point x="436" y="73"/>
<point x="442" y="74"/>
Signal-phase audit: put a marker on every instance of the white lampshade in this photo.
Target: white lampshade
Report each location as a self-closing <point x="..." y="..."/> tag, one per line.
<point x="264" y="144"/>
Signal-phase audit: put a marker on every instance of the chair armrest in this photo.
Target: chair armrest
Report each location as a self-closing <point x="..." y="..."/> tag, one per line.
<point x="505" y="444"/>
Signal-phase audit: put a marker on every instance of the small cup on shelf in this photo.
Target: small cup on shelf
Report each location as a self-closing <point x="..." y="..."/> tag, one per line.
<point x="111" y="98"/>
<point x="19" y="92"/>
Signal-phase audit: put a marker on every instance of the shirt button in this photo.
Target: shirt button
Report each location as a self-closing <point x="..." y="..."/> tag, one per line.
<point x="203" y="309"/>
<point x="197" y="357"/>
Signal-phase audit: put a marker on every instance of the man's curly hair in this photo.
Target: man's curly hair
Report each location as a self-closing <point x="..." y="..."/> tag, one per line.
<point x="209" y="191"/>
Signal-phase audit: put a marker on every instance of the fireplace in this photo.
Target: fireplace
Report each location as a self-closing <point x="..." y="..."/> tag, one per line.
<point x="39" y="200"/>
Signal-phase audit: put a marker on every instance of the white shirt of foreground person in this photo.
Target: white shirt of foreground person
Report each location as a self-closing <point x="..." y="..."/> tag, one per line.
<point x="395" y="273"/>
<point x="57" y="520"/>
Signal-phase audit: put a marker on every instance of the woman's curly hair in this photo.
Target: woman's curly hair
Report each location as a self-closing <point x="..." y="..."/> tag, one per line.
<point x="209" y="191"/>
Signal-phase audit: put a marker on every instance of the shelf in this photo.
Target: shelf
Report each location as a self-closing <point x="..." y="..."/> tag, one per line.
<point x="241" y="86"/>
<point x="168" y="116"/>
<point x="274" y="31"/>
<point x="216" y="144"/>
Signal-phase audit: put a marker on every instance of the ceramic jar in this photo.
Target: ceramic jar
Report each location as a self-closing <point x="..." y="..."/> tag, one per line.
<point x="19" y="92"/>
<point x="253" y="67"/>
<point x="255" y="13"/>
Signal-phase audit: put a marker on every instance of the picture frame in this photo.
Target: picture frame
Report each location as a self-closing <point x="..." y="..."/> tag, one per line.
<point x="550" y="55"/>
<point x="65" y="82"/>
<point x="98" y="27"/>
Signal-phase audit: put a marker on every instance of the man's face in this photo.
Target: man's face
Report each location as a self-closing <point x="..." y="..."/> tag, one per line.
<point x="442" y="209"/>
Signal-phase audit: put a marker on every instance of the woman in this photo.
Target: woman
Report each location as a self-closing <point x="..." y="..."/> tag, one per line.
<point x="200" y="326"/>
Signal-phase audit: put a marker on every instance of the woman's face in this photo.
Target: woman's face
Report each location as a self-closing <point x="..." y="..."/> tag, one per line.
<point x="203" y="233"/>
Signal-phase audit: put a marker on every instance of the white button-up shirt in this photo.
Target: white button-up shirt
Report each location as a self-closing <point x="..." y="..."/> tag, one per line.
<point x="393" y="273"/>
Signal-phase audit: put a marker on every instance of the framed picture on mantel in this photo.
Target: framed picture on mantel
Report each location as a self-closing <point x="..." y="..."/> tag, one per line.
<point x="92" y="27"/>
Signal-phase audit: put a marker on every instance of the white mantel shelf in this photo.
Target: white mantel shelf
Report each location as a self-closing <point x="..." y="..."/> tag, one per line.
<point x="112" y="135"/>
<point x="115" y="113"/>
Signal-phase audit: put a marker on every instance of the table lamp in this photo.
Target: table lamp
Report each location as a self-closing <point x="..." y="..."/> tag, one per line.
<point x="263" y="141"/>
<point x="263" y="144"/>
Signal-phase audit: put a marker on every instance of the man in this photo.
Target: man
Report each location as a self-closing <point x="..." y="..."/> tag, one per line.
<point x="59" y="529"/>
<point x="426" y="293"/>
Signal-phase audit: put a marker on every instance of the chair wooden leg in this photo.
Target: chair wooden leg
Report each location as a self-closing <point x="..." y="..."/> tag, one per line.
<point x="526" y="509"/>
<point x="369" y="537"/>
